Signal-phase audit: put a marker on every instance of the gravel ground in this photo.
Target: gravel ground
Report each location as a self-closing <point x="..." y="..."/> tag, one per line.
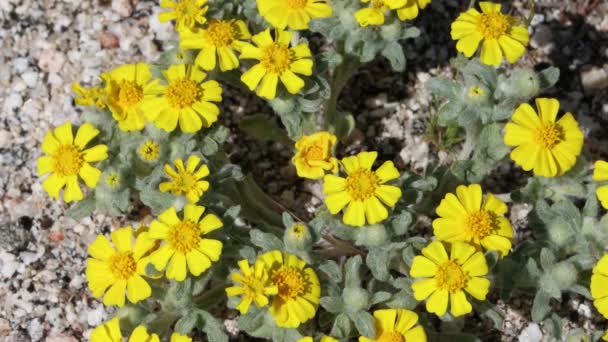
<point x="47" y="44"/>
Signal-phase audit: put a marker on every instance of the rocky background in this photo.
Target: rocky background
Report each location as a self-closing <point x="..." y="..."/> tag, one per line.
<point x="45" y="45"/>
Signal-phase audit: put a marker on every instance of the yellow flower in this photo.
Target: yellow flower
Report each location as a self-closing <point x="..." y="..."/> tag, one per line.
<point x="113" y="180"/>
<point x="187" y="99"/>
<point x="176" y="337"/>
<point x="605" y="337"/>
<point x="184" y="248"/>
<point x="463" y="217"/>
<point x="411" y="9"/>
<point x="129" y="91"/>
<point x="187" y="180"/>
<point x="66" y="159"/>
<point x="148" y="150"/>
<point x="324" y="338"/>
<point x="600" y="174"/>
<point x="254" y="285"/>
<point x="396" y="325"/>
<point x="314" y="155"/>
<point x="447" y="279"/>
<point x="107" y="332"/>
<point x="113" y="271"/>
<point x="375" y="13"/>
<point x="500" y="33"/>
<point x="94" y="96"/>
<point x="187" y="13"/>
<point x="218" y="41"/>
<point x="544" y="145"/>
<point x="277" y="61"/>
<point x="363" y="190"/>
<point x="599" y="286"/>
<point x="293" y="13"/>
<point x="140" y="334"/>
<point x="299" y="290"/>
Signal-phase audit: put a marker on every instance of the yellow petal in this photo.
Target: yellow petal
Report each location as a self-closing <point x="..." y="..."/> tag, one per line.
<point x="438" y="302"/>
<point x="123" y="239"/>
<point x="435" y="252"/>
<point x="476" y="265"/>
<point x="268" y="86"/>
<point x="337" y="201"/>
<point x="354" y="214"/>
<point x="422" y="267"/>
<point x="459" y="305"/>
<point x="64" y="134"/>
<point x="470" y="197"/>
<point x="89" y="174"/>
<point x="72" y="190"/>
<point x="210" y="223"/>
<point x="468" y="44"/>
<point x="547" y="109"/>
<point x="461" y="252"/>
<point x="138" y="289"/>
<point x="512" y="48"/>
<point x="493" y="204"/>
<point x="116" y="294"/>
<point x="96" y="153"/>
<point x="490" y="52"/>
<point x="374" y="210"/>
<point x="450" y="207"/>
<point x="176" y="269"/>
<point x="333" y="183"/>
<point x="369" y="16"/>
<point x="387" y="171"/>
<point x="478" y="287"/>
<point x="292" y="83"/>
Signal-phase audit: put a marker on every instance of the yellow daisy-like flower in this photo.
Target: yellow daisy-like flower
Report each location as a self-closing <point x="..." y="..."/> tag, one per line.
<point x="411" y="9"/>
<point x="448" y="278"/>
<point x="186" y="180"/>
<point x="600" y="174"/>
<point x="314" y="155"/>
<point x="149" y="150"/>
<point x="113" y="271"/>
<point x="544" y="145"/>
<point x="277" y="61"/>
<point x="67" y="159"/>
<point x="363" y="190"/>
<point x="323" y="338"/>
<point x="187" y="100"/>
<point x="129" y="91"/>
<point x="176" y="337"/>
<point x="500" y="33"/>
<point x="187" y="13"/>
<point x="253" y="285"/>
<point x="295" y="14"/>
<point x="599" y="286"/>
<point x="465" y="217"/>
<point x="396" y="325"/>
<point x="94" y="96"/>
<point x="217" y="42"/>
<point x="107" y="332"/>
<point x="299" y="290"/>
<point x="184" y="248"/>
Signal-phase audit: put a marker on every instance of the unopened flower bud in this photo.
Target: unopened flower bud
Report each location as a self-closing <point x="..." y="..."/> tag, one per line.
<point x="355" y="299"/>
<point x="374" y="235"/>
<point x="564" y="274"/>
<point x="476" y="94"/>
<point x="297" y="237"/>
<point x="559" y="232"/>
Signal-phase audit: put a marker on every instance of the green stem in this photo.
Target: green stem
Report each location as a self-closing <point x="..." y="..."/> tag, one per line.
<point x="472" y="3"/>
<point x="209" y="299"/>
<point x="472" y="135"/>
<point x="341" y="74"/>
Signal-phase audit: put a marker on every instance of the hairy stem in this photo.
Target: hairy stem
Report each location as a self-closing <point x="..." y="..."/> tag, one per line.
<point x="340" y="77"/>
<point x="472" y="135"/>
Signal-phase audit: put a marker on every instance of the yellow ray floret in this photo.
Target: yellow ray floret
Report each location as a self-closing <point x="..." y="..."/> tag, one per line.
<point x="600" y="174"/>
<point x="447" y="279"/>
<point x="252" y="283"/>
<point x="176" y="337"/>
<point x="186" y="180"/>
<point x="187" y="100"/>
<point x="599" y="286"/>
<point x="94" y="96"/>
<point x="67" y="159"/>
<point x="113" y="271"/>
<point x="314" y="155"/>
<point x="547" y="146"/>
<point x="183" y="247"/>
<point x="363" y="192"/>
<point x="375" y="13"/>
<point x="467" y="216"/>
<point x="186" y="13"/>
<point x="396" y="325"/>
<point x="277" y="62"/>
<point x="295" y="14"/>
<point x="110" y="332"/>
<point x="499" y="34"/>
<point x="323" y="338"/>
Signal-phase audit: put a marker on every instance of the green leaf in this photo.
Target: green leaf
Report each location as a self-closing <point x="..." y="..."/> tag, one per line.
<point x="332" y="271"/>
<point x="228" y="172"/>
<point x="540" y="306"/>
<point x="292" y="120"/>
<point x="344" y="124"/>
<point x="441" y="86"/>
<point x="377" y="261"/>
<point x="548" y="77"/>
<point x="342" y="327"/>
<point x="364" y="322"/>
<point x="187" y="322"/>
<point x="212" y="327"/>
<point x="82" y="209"/>
<point x="266" y="241"/>
<point x="547" y="259"/>
<point x="332" y="304"/>
<point x="209" y="146"/>
<point x="394" y="53"/>
<point x="157" y="201"/>
<point x="380" y="296"/>
<point x="263" y="128"/>
<point x="401" y="223"/>
<point x="403" y="299"/>
<point x="351" y="270"/>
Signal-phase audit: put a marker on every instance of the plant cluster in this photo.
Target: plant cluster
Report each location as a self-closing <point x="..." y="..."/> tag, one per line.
<point x="364" y="266"/>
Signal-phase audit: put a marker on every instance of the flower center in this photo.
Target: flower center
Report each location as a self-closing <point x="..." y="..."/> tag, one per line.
<point x="290" y="281"/>
<point x="296" y="4"/>
<point x="185" y="182"/>
<point x="379" y="4"/>
<point x="184" y="236"/>
<point x="149" y="150"/>
<point x="494" y="25"/>
<point x="183" y="94"/>
<point x="480" y="224"/>
<point x="113" y="180"/>
<point x="276" y="58"/>
<point x="391" y="336"/>
<point x="314" y="153"/>
<point x="298" y="230"/>
<point x="67" y="160"/>
<point x="187" y="9"/>
<point x="222" y="32"/>
<point x="361" y="184"/>
<point x="476" y="91"/>
<point x="253" y="286"/>
<point x="123" y="266"/>
<point x="450" y="276"/>
<point x="549" y="135"/>
<point x="129" y="93"/>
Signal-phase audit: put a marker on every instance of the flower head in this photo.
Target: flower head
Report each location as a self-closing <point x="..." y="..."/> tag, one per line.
<point x="113" y="180"/>
<point x="277" y="61"/>
<point x="148" y="151"/>
<point x="375" y="13"/>
<point x="544" y="145"/>
<point x="599" y="286"/>
<point x="500" y="33"/>
<point x="110" y="332"/>
<point x="600" y="174"/>
<point x="298" y="287"/>
<point x="94" y="96"/>
<point x="217" y="42"/>
<point x="295" y="14"/>
<point x="186" y="180"/>
<point x="113" y="271"/>
<point x="130" y="93"/>
<point x="67" y="159"/>
<point x="465" y="217"/>
<point x="187" y="100"/>
<point x="411" y="9"/>
<point x="363" y="190"/>
<point x="253" y="285"/>
<point x="448" y="278"/>
<point x="187" y="13"/>
<point x="396" y="325"/>
<point x="314" y="155"/>
<point x="184" y="248"/>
